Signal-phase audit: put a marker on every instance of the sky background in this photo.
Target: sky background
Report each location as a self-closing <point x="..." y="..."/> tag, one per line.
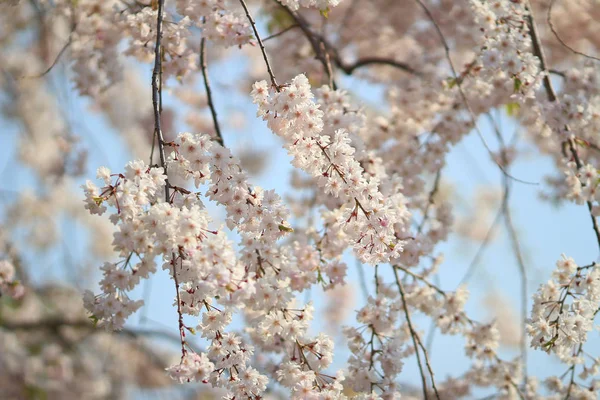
<point x="544" y="230"/>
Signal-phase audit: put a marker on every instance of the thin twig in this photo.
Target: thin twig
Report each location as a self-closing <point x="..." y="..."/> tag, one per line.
<point x="58" y="56"/>
<point x="179" y="312"/>
<point x="260" y="44"/>
<point x="289" y="28"/>
<point x="512" y="233"/>
<point x="431" y="199"/>
<point x="432" y="327"/>
<point x="516" y="247"/>
<point x="52" y="324"/>
<point x="362" y="279"/>
<point x="317" y="42"/>
<point x="557" y="73"/>
<point x="211" y="104"/>
<point x="486" y="240"/>
<point x="62" y="50"/>
<point x="423" y="378"/>
<point x="557" y="36"/>
<point x="421" y="278"/>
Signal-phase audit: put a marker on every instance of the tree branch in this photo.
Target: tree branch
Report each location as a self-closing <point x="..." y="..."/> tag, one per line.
<point x="458" y="81"/>
<point x="157" y="93"/>
<point x="211" y="104"/>
<point x="539" y="53"/>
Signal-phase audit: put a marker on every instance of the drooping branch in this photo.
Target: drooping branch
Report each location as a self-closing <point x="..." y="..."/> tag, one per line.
<point x="458" y="79"/>
<point x="539" y="53"/>
<point x="560" y="39"/>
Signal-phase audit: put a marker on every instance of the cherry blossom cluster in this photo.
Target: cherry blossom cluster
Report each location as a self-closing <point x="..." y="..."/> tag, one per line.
<point x="304" y="357"/>
<point x="257" y="215"/>
<point x="506" y="46"/>
<point x="385" y="337"/>
<point x="378" y="346"/>
<point x="576" y="111"/>
<point x="270" y="276"/>
<point x="178" y="60"/>
<point x="367" y="218"/>
<point x="582" y="184"/>
<point x="94" y="48"/>
<point x="564" y="309"/>
<point x="204" y="267"/>
<point x="9" y="285"/>
<point x="219" y="21"/>
<point x="318" y="4"/>
<point x="562" y="315"/>
<point x="200" y="261"/>
<point x="132" y="195"/>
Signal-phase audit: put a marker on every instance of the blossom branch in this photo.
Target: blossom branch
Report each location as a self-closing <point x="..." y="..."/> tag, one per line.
<point x="458" y="80"/>
<point x="539" y="52"/>
<point x="157" y="103"/>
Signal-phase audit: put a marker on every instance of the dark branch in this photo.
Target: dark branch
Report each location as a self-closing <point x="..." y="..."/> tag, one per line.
<point x="211" y="104"/>
<point x="157" y="93"/>
<point x="324" y="50"/>
<point x="363" y="62"/>
<point x="260" y="44"/>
